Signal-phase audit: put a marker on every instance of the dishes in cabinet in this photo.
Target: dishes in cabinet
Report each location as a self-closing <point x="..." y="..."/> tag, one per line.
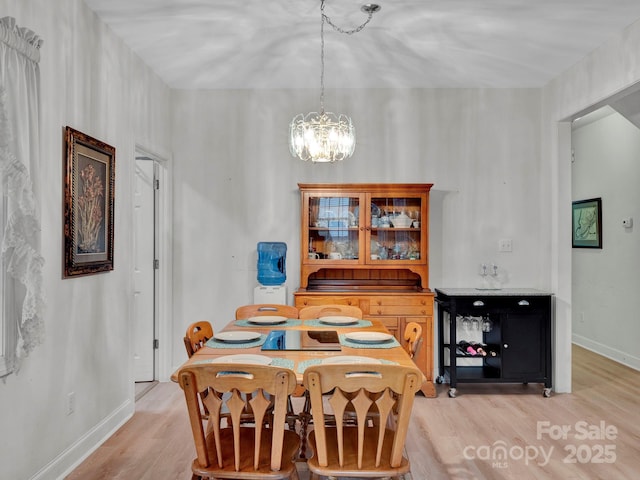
<point x="402" y="221"/>
<point x="375" y="210"/>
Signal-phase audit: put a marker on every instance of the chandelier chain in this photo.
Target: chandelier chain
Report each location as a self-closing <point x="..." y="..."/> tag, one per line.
<point x="325" y="18"/>
<point x="353" y="30"/>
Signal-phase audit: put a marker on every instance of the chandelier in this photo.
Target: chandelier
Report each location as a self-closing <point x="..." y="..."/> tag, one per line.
<point x="325" y="136"/>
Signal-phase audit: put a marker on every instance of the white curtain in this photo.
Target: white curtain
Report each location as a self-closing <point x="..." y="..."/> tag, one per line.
<point x="19" y="163"/>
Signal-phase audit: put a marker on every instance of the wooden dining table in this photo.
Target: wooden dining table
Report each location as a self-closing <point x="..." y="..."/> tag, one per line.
<point x="297" y="359"/>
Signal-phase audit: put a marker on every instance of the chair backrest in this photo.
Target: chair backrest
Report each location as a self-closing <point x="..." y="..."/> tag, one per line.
<point x="413" y="337"/>
<point x="197" y="335"/>
<point x="317" y="311"/>
<point x="259" y="309"/>
<point x="229" y="386"/>
<point x="371" y="389"/>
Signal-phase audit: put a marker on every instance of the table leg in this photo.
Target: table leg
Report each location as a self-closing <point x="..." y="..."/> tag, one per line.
<point x="305" y="419"/>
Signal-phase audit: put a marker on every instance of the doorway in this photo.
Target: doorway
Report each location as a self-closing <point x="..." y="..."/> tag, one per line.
<point x="151" y="272"/>
<point x="145" y="264"/>
<point x="605" y="147"/>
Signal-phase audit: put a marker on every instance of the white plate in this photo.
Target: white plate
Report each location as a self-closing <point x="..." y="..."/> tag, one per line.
<point x="368" y="337"/>
<point x="347" y="359"/>
<point x="267" y="319"/>
<point x="338" y="320"/>
<point x="236" y="336"/>
<point x="244" y="358"/>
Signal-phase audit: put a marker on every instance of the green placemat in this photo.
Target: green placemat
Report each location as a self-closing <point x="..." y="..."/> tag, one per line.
<point x="282" y="362"/>
<point x="348" y="343"/>
<point x="317" y="323"/>
<point x="291" y="322"/>
<point x="213" y="343"/>
<point x="307" y="363"/>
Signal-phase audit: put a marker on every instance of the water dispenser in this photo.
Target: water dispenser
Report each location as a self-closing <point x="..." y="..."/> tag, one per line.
<point x="272" y="263"/>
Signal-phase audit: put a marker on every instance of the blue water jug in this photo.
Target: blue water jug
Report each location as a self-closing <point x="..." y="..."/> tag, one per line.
<point x="272" y="268"/>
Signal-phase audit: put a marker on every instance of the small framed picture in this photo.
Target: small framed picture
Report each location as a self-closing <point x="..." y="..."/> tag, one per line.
<point x="88" y="201"/>
<point x="587" y="223"/>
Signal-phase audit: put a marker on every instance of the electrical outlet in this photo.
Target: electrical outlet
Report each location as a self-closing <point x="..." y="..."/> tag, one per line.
<point x="504" y="245"/>
<point x="71" y="402"/>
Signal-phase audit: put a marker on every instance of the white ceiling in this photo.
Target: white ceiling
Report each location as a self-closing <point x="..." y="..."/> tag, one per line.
<point x="256" y="44"/>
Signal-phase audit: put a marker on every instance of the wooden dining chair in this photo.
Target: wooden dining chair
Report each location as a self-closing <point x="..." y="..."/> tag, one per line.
<point x="318" y="311"/>
<point x="413" y="338"/>
<point x="197" y="335"/>
<point x="259" y="309"/>
<point x="364" y="449"/>
<point x="232" y="448"/>
<point x="262" y="309"/>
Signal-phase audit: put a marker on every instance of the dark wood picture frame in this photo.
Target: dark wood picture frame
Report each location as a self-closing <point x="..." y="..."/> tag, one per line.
<point x="89" y="204"/>
<point x="586" y="220"/>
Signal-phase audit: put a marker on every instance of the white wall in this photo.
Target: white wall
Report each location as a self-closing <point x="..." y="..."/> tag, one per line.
<point x="91" y="82"/>
<point x="606" y="282"/>
<point x="236" y="184"/>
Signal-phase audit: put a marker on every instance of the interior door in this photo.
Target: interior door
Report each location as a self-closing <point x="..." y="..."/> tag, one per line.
<point x="144" y="271"/>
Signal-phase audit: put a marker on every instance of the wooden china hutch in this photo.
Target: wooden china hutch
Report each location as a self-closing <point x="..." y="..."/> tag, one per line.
<point x="367" y="244"/>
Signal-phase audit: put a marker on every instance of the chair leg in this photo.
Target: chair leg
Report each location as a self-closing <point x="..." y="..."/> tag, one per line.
<point x="291" y="415"/>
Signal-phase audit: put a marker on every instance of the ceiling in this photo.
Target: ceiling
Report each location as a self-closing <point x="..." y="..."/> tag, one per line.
<point x="258" y="44"/>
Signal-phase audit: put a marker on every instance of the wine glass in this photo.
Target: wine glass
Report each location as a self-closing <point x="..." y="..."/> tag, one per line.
<point x="475" y="324"/>
<point x="487" y="324"/>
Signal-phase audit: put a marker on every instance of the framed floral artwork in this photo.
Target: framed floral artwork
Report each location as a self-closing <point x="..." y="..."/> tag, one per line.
<point x="587" y="223"/>
<point x="89" y="204"/>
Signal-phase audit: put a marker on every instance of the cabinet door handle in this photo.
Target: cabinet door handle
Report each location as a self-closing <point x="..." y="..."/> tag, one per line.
<point x="379" y="312"/>
<point x="523" y="303"/>
<point x="478" y="303"/>
<point x="506" y="345"/>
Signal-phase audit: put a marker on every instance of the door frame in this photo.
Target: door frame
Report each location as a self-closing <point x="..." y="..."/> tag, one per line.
<point x="163" y="298"/>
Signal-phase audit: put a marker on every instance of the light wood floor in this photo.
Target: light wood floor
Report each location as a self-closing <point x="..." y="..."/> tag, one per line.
<point x="449" y="439"/>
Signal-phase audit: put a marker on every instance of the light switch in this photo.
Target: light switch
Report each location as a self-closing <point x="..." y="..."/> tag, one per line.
<point x="504" y="245"/>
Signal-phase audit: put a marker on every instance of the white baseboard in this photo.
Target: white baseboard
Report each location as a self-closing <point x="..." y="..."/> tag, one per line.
<point x="69" y="459"/>
<point x="606" y="351"/>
